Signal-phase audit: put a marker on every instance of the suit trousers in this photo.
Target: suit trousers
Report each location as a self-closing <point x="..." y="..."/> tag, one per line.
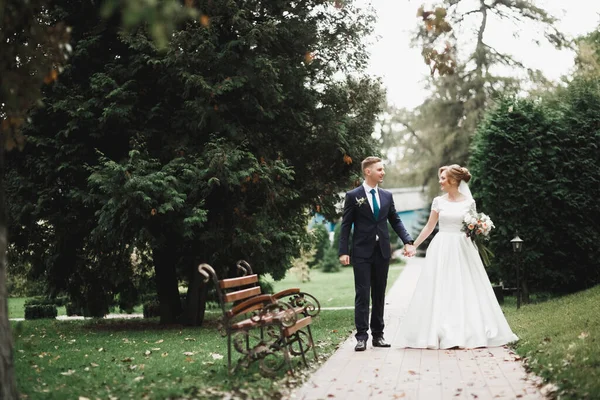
<point x="370" y="280"/>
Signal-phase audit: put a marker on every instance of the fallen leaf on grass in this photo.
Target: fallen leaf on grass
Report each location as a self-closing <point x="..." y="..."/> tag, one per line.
<point x="147" y="352"/>
<point x="68" y="373"/>
<point x="549" y="389"/>
<point x="164" y="354"/>
<point x="188" y="353"/>
<point x="190" y="339"/>
<point x="94" y="365"/>
<point x="159" y="341"/>
<point x="138" y="378"/>
<point x="583" y="335"/>
<point x="216" y="356"/>
<point x="128" y="359"/>
<point x="83" y="398"/>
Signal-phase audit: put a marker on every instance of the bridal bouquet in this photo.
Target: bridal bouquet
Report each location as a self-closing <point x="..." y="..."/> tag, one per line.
<point x="478" y="226"/>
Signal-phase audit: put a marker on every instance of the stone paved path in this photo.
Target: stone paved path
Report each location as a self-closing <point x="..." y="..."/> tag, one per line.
<point x="395" y="373"/>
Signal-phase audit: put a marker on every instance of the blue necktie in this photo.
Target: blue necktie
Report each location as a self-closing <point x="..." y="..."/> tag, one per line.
<point x="375" y="205"/>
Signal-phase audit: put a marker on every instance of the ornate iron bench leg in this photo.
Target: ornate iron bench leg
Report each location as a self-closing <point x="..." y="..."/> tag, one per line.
<point x="286" y="353"/>
<point x="229" y="369"/>
<point x="312" y="343"/>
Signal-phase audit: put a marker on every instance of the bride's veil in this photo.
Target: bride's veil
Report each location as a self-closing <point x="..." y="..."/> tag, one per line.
<point x="463" y="188"/>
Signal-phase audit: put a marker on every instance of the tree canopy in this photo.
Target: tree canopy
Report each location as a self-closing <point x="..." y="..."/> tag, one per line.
<point x="468" y="74"/>
<point x="215" y="150"/>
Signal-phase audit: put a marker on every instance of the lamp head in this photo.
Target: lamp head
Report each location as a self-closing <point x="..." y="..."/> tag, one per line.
<point x="517" y="244"/>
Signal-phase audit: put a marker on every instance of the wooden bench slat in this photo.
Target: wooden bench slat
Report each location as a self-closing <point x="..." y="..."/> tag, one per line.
<point x="241" y="294"/>
<point x="301" y="323"/>
<point x="255" y="303"/>
<point x="235" y="282"/>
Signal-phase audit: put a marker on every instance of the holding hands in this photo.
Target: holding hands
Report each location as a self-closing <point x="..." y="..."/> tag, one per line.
<point x="409" y="250"/>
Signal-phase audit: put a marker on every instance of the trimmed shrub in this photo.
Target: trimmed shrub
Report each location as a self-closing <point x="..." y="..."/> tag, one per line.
<point x="536" y="171"/>
<point x="151" y="309"/>
<point x="40" y="301"/>
<point x="331" y="261"/>
<point x="321" y="244"/>
<point x="39" y="311"/>
<point x="72" y="309"/>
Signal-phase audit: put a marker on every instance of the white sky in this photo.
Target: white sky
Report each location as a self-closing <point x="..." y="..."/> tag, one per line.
<point x="402" y="68"/>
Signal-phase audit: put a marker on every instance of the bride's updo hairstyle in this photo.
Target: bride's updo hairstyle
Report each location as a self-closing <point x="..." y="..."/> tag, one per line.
<point x="456" y="173"/>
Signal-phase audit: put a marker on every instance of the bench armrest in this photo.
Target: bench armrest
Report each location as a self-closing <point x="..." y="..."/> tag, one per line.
<point x="252" y="304"/>
<point x="302" y="302"/>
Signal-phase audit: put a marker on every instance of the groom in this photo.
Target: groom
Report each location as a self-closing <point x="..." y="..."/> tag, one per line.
<point x="369" y="208"/>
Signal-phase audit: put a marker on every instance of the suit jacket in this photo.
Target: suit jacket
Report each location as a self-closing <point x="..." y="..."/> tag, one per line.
<point x="366" y="228"/>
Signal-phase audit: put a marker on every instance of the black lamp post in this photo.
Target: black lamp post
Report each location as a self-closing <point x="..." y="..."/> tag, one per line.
<point x="517" y="244"/>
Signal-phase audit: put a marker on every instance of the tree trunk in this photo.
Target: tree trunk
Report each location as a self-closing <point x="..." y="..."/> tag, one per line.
<point x="166" y="285"/>
<point x="195" y="307"/>
<point x="8" y="385"/>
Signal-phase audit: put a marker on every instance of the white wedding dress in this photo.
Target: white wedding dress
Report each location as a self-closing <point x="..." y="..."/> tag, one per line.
<point x="453" y="304"/>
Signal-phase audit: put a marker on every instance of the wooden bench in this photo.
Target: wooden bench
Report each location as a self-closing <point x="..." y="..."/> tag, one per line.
<point x="262" y="327"/>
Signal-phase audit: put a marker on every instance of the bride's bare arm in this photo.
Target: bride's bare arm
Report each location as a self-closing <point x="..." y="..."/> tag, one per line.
<point x="428" y="228"/>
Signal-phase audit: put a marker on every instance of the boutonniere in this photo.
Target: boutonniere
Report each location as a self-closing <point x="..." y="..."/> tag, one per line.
<point x="360" y="201"/>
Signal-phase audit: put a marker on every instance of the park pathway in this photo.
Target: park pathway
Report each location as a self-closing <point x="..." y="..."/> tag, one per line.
<point x="414" y="374"/>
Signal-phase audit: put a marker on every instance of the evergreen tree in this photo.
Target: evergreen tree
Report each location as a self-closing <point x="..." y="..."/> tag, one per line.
<point x="212" y="151"/>
<point x="536" y="172"/>
<point x="34" y="46"/>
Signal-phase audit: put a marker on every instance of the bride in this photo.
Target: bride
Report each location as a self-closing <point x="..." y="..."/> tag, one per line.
<point x="453" y="304"/>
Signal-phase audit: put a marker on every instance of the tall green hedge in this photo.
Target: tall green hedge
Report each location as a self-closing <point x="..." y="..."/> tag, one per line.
<point x="536" y="171"/>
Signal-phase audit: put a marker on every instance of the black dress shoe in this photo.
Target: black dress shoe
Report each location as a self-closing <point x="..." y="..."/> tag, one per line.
<point x="361" y="345"/>
<point x="380" y="342"/>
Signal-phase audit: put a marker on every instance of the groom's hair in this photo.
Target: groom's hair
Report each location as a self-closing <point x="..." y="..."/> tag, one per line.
<point x="367" y="162"/>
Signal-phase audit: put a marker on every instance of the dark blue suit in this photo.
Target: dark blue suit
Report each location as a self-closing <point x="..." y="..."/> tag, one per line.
<point x="370" y="257"/>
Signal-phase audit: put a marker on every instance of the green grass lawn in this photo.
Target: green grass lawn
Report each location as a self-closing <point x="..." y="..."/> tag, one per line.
<point x="140" y="359"/>
<point x="560" y="340"/>
<point x="331" y="289"/>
